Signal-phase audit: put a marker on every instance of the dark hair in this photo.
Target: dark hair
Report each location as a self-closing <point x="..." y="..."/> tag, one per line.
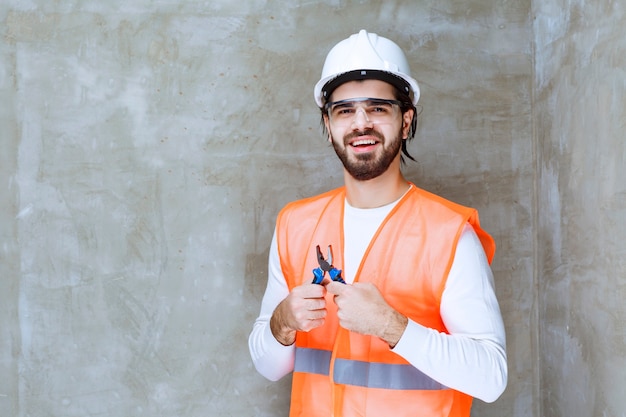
<point x="406" y="105"/>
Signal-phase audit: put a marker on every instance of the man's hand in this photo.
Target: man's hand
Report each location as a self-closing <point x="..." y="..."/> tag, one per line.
<point x="303" y="309"/>
<point x="361" y="308"/>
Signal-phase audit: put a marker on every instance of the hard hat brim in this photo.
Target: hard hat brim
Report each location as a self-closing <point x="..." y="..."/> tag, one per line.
<point x="325" y="87"/>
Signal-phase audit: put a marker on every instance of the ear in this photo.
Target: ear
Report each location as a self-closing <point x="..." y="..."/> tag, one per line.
<point x="407" y="118"/>
<point x="327" y="126"/>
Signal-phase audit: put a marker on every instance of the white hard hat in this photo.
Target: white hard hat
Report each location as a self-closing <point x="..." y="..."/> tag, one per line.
<point x="365" y="56"/>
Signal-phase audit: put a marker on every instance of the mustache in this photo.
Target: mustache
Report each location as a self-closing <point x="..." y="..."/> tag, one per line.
<point x="366" y="132"/>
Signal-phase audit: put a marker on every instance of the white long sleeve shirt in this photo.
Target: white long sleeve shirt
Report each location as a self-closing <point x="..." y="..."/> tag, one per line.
<point x="471" y="359"/>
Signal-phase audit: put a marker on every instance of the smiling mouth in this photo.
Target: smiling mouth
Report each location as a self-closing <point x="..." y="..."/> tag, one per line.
<point x="363" y="142"/>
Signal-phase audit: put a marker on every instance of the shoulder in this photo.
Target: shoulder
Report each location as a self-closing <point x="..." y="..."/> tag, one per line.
<point x="442" y="212"/>
<point x="311" y="205"/>
<point x="425" y="200"/>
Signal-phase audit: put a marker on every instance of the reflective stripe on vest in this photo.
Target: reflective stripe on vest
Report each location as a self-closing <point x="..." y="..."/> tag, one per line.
<point x="364" y="374"/>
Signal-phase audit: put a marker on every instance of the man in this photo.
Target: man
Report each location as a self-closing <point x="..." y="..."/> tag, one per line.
<point x="416" y="329"/>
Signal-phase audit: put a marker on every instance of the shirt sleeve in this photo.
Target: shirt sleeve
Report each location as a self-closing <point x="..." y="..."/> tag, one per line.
<point x="271" y="359"/>
<point x="472" y="358"/>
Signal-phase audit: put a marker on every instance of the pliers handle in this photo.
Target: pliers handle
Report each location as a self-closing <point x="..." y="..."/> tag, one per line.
<point x="325" y="265"/>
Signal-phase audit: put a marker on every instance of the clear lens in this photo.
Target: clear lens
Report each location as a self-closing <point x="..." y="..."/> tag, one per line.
<point x="375" y="110"/>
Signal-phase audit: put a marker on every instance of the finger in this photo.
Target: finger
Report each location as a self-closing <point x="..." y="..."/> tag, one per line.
<point x="316" y="304"/>
<point x="336" y="288"/>
<point x="310" y="291"/>
<point x="367" y="286"/>
<point x="313" y="291"/>
<point x="367" y="289"/>
<point x="317" y="314"/>
<point x="312" y="324"/>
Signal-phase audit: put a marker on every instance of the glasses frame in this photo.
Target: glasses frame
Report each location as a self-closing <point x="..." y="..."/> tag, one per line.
<point x="330" y="104"/>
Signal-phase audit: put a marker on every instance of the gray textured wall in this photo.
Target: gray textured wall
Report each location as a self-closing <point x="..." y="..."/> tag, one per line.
<point x="580" y="117"/>
<point x="147" y="146"/>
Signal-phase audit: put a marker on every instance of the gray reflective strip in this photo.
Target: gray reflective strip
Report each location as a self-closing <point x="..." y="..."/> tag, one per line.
<point x="312" y="361"/>
<point x="383" y="375"/>
<point x="364" y="374"/>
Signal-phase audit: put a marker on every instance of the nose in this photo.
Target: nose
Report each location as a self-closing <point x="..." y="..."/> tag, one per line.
<point x="361" y="119"/>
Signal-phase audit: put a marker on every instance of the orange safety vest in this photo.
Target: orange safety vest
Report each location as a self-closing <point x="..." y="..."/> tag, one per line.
<point x="344" y="374"/>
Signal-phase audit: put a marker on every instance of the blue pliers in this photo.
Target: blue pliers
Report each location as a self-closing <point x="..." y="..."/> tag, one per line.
<point x="326" y="266"/>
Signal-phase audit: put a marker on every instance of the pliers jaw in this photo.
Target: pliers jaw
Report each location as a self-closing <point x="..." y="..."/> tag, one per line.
<point x="326" y="265"/>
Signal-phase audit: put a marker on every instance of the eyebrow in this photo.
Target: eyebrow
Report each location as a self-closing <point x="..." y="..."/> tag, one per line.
<point x="351" y="101"/>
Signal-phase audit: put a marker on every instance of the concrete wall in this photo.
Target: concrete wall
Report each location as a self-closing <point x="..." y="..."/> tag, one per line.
<point x="580" y="114"/>
<point x="147" y="146"/>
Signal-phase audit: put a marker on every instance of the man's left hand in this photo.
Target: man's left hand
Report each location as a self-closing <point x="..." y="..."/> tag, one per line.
<point x="361" y="308"/>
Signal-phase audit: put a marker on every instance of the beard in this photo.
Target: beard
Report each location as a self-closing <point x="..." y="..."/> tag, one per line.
<point x="369" y="165"/>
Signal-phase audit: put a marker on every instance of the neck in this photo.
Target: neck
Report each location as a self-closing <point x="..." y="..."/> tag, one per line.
<point x="377" y="192"/>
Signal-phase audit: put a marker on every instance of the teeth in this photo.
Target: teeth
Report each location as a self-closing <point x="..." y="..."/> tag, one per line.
<point x="364" y="142"/>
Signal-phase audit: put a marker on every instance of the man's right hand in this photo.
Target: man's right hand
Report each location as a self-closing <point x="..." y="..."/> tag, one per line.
<point x="303" y="309"/>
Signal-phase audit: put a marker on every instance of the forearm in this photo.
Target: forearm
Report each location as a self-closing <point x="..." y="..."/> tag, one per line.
<point x="394" y="328"/>
<point x="472" y="357"/>
<point x="285" y="335"/>
<point x="476" y="367"/>
<point x="270" y="358"/>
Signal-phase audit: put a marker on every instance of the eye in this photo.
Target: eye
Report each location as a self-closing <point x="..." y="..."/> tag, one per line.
<point x="343" y="110"/>
<point x="379" y="108"/>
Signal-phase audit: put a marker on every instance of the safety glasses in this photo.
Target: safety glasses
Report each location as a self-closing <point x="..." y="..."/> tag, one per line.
<point x="375" y="110"/>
